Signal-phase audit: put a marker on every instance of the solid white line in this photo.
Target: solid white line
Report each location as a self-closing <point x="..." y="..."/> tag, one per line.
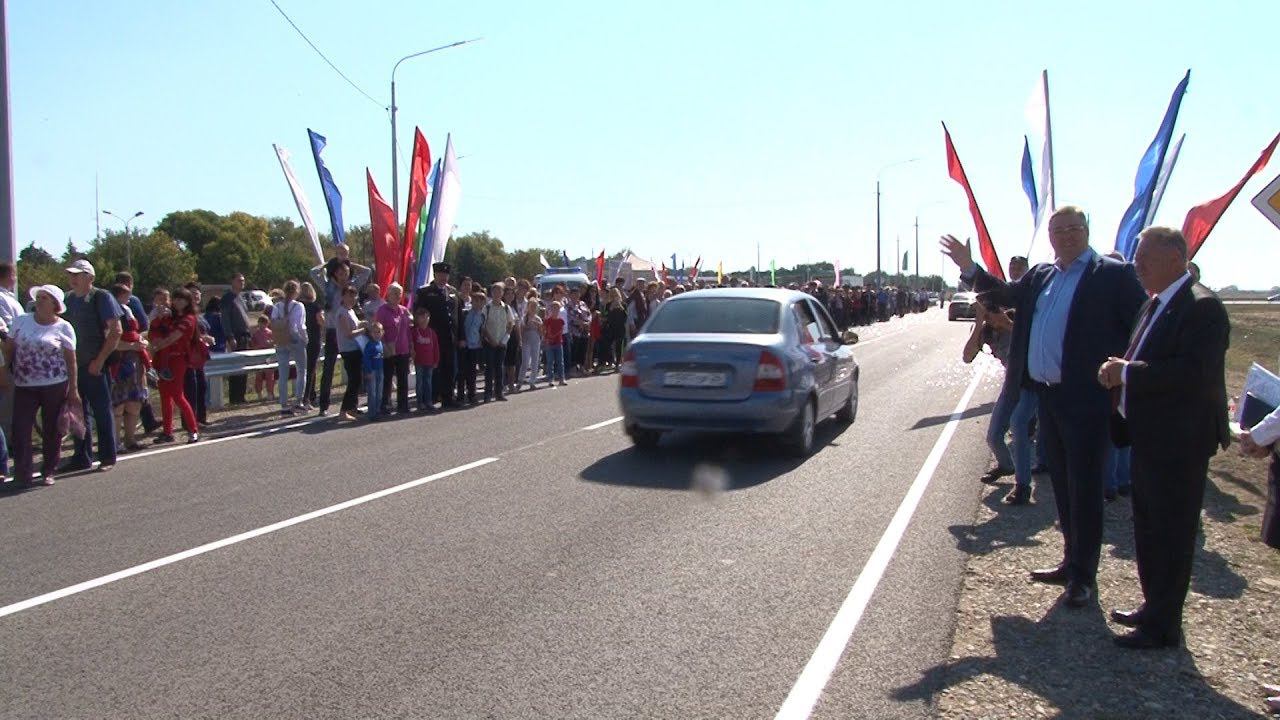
<point x="606" y="423"/>
<point x="817" y="672"/>
<point x="214" y="441"/>
<point x="209" y="547"/>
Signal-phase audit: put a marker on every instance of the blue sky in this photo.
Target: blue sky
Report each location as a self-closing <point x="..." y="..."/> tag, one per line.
<point x="693" y="128"/>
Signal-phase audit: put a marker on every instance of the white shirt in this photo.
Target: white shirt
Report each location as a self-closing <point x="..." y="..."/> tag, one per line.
<point x="1165" y="297"/>
<point x="38" y="357"/>
<point x="10" y="308"/>
<point x="1267" y="431"/>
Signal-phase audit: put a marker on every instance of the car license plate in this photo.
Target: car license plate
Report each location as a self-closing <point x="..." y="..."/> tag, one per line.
<point x="694" y="379"/>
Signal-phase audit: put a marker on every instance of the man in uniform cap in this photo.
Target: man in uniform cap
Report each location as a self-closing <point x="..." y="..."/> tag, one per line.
<point x="441" y="300"/>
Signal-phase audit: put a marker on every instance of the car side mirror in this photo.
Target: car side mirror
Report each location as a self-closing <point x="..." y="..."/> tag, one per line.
<point x="849" y="337"/>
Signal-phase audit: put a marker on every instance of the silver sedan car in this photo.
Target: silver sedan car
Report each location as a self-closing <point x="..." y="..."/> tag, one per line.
<point x="740" y="361"/>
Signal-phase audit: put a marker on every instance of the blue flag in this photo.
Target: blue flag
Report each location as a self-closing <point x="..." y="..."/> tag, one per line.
<point x="1144" y="183"/>
<point x="1029" y="179"/>
<point x="332" y="197"/>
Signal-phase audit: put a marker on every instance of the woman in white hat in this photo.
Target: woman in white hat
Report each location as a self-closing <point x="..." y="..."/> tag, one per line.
<point x="41" y="353"/>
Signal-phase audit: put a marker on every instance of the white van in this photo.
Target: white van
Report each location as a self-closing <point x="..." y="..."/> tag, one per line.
<point x="571" y="277"/>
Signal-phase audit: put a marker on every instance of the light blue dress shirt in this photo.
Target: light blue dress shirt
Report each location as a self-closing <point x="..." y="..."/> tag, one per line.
<point x="1049" y="323"/>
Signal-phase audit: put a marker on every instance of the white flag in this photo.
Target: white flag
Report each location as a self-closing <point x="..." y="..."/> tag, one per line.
<point x="1037" y="114"/>
<point x="299" y="197"/>
<point x="837" y="264"/>
<point x="445" y="203"/>
<point x="1170" y="160"/>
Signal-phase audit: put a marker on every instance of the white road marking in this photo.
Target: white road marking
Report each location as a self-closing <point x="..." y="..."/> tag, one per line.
<point x="817" y="672"/>
<point x="606" y="423"/>
<point x="214" y="441"/>
<point x="218" y="544"/>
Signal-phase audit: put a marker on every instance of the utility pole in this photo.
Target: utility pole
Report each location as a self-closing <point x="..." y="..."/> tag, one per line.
<point x="917" y="250"/>
<point x="8" y="236"/>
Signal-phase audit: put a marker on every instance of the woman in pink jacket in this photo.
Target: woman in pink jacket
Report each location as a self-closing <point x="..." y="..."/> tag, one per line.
<point x="397" y="343"/>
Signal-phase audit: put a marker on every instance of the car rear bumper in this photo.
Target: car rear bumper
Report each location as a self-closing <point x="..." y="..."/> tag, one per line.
<point x="771" y="412"/>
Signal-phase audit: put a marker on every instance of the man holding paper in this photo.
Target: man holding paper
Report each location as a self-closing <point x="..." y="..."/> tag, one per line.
<point x="1169" y="392"/>
<point x="1259" y="441"/>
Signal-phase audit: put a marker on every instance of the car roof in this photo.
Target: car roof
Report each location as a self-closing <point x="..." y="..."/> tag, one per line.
<point x="781" y="295"/>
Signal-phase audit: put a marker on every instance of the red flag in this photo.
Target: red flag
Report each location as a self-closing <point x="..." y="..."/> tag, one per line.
<point x="664" y="273"/>
<point x="985" y="246"/>
<point x="696" y="264"/>
<point x="1201" y="219"/>
<point x="417" y="198"/>
<point x="384" y="234"/>
<point x="600" y="270"/>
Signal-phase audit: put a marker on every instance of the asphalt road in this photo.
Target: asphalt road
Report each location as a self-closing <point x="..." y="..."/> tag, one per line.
<point x="541" y="568"/>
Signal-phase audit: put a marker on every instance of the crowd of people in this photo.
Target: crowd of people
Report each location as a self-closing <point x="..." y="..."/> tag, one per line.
<point x="96" y="357"/>
<point x="1115" y="386"/>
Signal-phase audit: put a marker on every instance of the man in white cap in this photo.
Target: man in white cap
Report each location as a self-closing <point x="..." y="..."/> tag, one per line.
<point x="95" y="316"/>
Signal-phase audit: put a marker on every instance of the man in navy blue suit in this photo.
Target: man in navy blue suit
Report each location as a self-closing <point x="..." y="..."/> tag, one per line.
<point x="1073" y="314"/>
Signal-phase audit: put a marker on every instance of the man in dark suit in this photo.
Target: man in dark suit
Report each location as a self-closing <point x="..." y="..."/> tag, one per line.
<point x="441" y="300"/>
<point x="1072" y="314"/>
<point x="1171" y="403"/>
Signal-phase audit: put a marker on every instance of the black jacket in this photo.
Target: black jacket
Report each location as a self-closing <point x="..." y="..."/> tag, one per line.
<point x="1102" y="316"/>
<point x="1176" y="392"/>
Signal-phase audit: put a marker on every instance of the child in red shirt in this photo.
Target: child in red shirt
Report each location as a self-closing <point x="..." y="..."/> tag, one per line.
<point x="426" y="356"/>
<point x="553" y="343"/>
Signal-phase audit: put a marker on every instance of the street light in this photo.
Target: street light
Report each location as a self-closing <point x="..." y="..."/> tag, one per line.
<point x="128" y="236"/>
<point x="395" y="165"/>
<point x="878" y="174"/>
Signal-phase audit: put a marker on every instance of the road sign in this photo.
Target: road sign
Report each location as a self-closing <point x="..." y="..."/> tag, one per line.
<point x="1268" y="201"/>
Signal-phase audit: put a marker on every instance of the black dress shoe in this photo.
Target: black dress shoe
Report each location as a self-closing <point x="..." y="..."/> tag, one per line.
<point x="1050" y="576"/>
<point x="1109" y="494"/>
<point x="1017" y="496"/>
<point x="1143" y="639"/>
<point x="994" y="474"/>
<point x="1078" y="594"/>
<point x="1127" y="618"/>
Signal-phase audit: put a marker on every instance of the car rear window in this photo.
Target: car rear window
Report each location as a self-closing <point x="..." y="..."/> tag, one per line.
<point x="716" y="315"/>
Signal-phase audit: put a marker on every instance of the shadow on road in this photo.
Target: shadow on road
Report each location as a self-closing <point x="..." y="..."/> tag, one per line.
<point x="1066" y="659"/>
<point x="976" y="411"/>
<point x="716" y="462"/>
<point x="1011" y="526"/>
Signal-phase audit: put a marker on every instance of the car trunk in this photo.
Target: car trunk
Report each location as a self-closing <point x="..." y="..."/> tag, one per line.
<point x="699" y="367"/>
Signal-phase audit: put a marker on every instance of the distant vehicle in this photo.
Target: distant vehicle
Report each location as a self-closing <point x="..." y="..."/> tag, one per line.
<point x="571" y="277"/>
<point x="1274" y="298"/>
<point x="744" y="360"/>
<point x="962" y="306"/>
<point x="256" y="300"/>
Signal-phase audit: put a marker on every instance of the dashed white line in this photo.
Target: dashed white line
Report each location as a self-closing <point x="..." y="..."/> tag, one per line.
<point x="606" y="423"/>
<point x="217" y="544"/>
<point x="817" y="672"/>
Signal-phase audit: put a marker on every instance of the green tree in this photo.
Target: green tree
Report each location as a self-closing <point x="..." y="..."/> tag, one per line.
<point x="158" y="260"/>
<point x="276" y="265"/>
<point x="72" y="253"/>
<point x="226" y="254"/>
<point x="478" y="255"/>
<point x="360" y="242"/>
<point x="36" y="266"/>
<point x="191" y="228"/>
<point x="527" y="263"/>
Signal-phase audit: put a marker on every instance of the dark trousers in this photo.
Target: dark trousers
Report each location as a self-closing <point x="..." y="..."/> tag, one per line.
<point x="396" y="366"/>
<point x="196" y="390"/>
<point x="1168" y="492"/>
<point x="313" y="356"/>
<point x="237" y="384"/>
<point x="330" y="359"/>
<point x="1076" y="453"/>
<point x="495" y="361"/>
<point x="442" y="380"/>
<point x="353" y="366"/>
<point x="1271" y="517"/>
<point x="465" y="359"/>
<point x="48" y="399"/>
<point x="95" y="393"/>
<point x="467" y="375"/>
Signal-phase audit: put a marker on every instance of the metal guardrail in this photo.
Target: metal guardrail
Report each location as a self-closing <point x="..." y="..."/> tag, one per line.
<point x="240" y="362"/>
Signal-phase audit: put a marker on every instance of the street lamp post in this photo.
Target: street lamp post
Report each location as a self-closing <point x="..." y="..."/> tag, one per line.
<point x="395" y="164"/>
<point x="878" y="174"/>
<point x="128" y="235"/>
<point x="935" y="202"/>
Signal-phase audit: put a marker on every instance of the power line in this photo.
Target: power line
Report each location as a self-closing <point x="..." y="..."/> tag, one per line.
<point x="322" y="57"/>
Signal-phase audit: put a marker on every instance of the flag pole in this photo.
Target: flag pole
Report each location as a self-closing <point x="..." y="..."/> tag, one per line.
<point x="1048" y="139"/>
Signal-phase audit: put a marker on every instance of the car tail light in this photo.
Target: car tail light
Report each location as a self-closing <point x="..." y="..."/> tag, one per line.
<point x="630" y="375"/>
<point x="771" y="375"/>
